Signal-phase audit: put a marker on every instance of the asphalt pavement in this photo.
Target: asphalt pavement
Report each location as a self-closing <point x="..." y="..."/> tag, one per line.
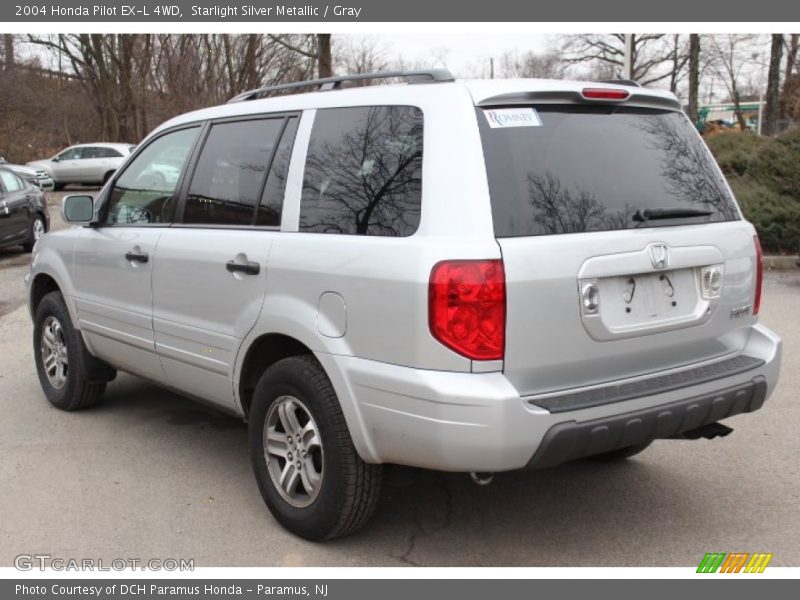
<point x="149" y="474"/>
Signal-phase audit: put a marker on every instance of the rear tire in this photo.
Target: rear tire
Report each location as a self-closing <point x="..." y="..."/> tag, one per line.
<point x="61" y="356"/>
<point x="621" y="453"/>
<point x="57" y="187"/>
<point x="107" y="176"/>
<point x="309" y="473"/>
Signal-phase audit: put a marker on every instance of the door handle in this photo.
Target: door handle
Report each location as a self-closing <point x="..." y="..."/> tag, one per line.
<point x="141" y="257"/>
<point x="248" y="268"/>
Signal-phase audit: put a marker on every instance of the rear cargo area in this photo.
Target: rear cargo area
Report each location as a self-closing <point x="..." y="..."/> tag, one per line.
<point x="624" y="251"/>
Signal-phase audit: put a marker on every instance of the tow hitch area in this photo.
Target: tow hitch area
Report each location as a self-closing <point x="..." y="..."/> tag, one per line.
<point x="709" y="432"/>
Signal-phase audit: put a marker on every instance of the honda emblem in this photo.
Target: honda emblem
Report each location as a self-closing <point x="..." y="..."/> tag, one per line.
<point x="659" y="256"/>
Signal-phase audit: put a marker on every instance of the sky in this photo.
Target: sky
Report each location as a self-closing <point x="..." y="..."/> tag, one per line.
<point x="467" y="55"/>
<point x="462" y="55"/>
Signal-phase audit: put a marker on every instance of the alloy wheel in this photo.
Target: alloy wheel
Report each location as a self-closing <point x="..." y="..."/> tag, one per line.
<point x="293" y="451"/>
<point x="54" y="352"/>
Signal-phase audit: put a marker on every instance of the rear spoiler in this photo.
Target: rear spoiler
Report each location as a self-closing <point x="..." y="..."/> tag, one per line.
<point x="635" y="99"/>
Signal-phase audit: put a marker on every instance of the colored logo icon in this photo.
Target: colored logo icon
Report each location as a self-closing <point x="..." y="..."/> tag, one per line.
<point x="734" y="562"/>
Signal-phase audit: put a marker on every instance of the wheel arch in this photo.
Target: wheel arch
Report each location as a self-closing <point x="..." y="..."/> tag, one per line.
<point x="41" y="285"/>
<point x="41" y="212"/>
<point x="265" y="349"/>
<point x="262" y="353"/>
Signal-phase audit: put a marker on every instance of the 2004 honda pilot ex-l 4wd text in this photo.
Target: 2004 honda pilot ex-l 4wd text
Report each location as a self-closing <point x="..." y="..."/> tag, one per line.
<point x="470" y="276"/>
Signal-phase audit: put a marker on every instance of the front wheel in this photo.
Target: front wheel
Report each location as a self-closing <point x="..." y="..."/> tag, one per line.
<point x="61" y="357"/>
<point x="306" y="466"/>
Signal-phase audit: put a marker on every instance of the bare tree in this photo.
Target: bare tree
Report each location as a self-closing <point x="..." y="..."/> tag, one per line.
<point x="8" y="51"/>
<point x="772" y="107"/>
<point x="135" y="81"/>
<point x="324" y="59"/>
<point x="651" y="54"/>
<point x="792" y="45"/>
<point x="678" y="58"/>
<point x="694" y="77"/>
<point x="111" y="68"/>
<point x="84" y="87"/>
<point x="40" y="109"/>
<point x="529" y="64"/>
<point x="790" y="77"/>
<point x="361" y="55"/>
<point x="729" y="56"/>
<point x="316" y="47"/>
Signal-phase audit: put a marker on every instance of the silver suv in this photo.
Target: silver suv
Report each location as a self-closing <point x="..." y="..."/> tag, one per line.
<point x="471" y="276"/>
<point x="87" y="164"/>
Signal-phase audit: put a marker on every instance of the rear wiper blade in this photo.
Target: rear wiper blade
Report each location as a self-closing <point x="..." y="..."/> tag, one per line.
<point x="653" y="214"/>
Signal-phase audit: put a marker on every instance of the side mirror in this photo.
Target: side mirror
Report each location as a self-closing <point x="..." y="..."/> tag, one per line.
<point x="77" y="209"/>
<point x="55" y="159"/>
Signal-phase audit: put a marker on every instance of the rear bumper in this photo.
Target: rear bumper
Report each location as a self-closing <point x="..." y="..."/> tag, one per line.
<point x="571" y="439"/>
<point x="479" y="422"/>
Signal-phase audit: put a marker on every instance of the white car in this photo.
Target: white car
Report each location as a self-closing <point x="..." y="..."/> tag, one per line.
<point x="87" y="164"/>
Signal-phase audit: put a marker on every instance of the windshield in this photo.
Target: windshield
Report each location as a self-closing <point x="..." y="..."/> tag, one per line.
<point x="567" y="169"/>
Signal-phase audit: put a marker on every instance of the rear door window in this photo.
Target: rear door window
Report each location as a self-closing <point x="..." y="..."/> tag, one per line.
<point x="229" y="175"/>
<point x="363" y="172"/>
<point x="600" y="168"/>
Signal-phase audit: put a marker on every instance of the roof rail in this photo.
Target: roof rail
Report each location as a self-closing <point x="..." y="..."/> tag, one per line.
<point x="334" y="83"/>
<point x="630" y="82"/>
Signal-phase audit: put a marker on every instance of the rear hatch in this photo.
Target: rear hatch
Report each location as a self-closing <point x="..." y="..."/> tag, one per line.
<point x="624" y="251"/>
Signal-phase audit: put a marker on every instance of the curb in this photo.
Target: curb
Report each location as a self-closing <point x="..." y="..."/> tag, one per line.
<point x="781" y="263"/>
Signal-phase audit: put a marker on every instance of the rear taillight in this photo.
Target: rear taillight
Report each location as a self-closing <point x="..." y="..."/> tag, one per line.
<point x="467" y="307"/>
<point x="759" y="275"/>
<point x="604" y="94"/>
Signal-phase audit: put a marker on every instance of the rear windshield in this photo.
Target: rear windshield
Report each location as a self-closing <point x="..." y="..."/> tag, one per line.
<point x="567" y="169"/>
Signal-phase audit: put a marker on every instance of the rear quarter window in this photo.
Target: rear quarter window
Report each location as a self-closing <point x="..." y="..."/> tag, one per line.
<point x="363" y="173"/>
<point x="595" y="168"/>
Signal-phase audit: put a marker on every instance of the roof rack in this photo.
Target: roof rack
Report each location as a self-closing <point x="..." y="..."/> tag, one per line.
<point x="631" y="82"/>
<point x="334" y="83"/>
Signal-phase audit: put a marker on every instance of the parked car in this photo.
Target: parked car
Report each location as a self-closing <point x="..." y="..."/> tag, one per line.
<point x="86" y="164"/>
<point x="38" y="177"/>
<point x="473" y="276"/>
<point x="23" y="211"/>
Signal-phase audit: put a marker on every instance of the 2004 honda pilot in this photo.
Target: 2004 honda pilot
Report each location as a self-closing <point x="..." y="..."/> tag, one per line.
<point x="469" y="276"/>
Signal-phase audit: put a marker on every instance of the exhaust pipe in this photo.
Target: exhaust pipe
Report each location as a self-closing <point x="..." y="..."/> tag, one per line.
<point x="481" y="478"/>
<point x="709" y="432"/>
